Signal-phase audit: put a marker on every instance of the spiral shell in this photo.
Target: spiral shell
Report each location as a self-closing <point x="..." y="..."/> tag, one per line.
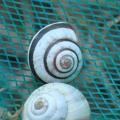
<point x="54" y="54"/>
<point x="56" y="101"/>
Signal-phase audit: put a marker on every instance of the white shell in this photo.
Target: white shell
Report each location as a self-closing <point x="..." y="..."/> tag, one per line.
<point x="54" y="54"/>
<point x="56" y="101"/>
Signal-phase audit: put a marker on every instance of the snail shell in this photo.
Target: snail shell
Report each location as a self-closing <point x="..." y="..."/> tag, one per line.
<point x="56" y="101"/>
<point x="54" y="54"/>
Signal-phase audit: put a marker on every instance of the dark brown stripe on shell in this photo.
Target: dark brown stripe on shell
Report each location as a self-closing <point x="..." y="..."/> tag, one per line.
<point x="38" y="37"/>
<point x="46" y="53"/>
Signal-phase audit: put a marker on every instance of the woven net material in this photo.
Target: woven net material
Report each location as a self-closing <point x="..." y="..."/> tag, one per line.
<point x="97" y="23"/>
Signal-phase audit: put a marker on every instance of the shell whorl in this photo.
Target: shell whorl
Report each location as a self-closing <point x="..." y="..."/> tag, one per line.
<point x="54" y="55"/>
<point x="56" y="101"/>
<point x="44" y="104"/>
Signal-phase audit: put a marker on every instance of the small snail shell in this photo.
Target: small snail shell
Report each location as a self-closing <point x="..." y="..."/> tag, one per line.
<point x="56" y="101"/>
<point x="54" y="54"/>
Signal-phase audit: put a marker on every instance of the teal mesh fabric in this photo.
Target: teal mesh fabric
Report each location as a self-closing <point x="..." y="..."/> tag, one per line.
<point x="97" y="23"/>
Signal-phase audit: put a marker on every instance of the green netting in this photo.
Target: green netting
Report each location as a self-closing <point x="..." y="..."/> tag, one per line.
<point x="97" y="23"/>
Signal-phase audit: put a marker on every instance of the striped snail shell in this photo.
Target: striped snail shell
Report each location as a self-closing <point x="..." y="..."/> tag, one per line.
<point x="56" y="101"/>
<point x="54" y="54"/>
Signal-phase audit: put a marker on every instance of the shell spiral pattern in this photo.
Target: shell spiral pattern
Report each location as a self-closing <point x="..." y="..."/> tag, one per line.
<point x="54" y="54"/>
<point x="56" y="101"/>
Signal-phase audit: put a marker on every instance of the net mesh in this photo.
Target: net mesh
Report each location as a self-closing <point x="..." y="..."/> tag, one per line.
<point x="97" y="23"/>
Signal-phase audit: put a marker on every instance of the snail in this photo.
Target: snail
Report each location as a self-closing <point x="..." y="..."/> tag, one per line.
<point x="54" y="54"/>
<point x="56" y="101"/>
